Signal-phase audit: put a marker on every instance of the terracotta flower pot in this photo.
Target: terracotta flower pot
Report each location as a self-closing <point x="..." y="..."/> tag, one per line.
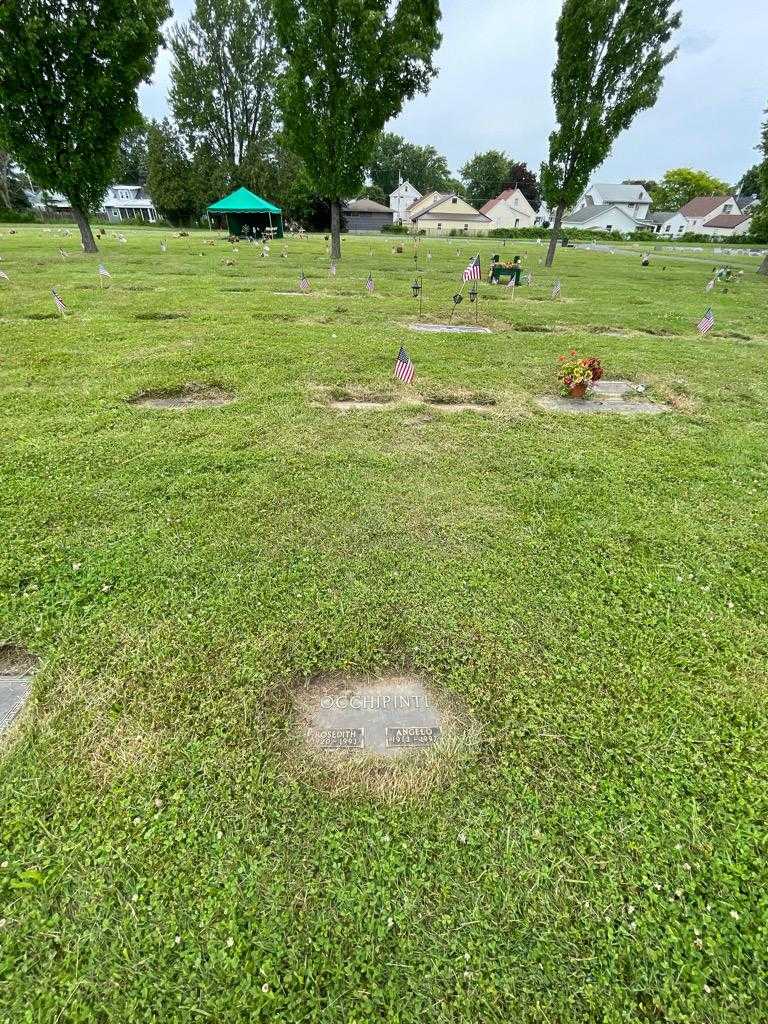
<point x="578" y="390"/>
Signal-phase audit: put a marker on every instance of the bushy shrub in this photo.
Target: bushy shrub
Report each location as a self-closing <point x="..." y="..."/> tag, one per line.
<point x="18" y="217"/>
<point x="394" y="229"/>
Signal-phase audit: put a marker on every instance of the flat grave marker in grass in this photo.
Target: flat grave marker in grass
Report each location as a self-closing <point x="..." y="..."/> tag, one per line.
<point x="610" y="396"/>
<point x="181" y="399"/>
<point x="450" y="328"/>
<point x="16" y="668"/>
<point x="386" y="716"/>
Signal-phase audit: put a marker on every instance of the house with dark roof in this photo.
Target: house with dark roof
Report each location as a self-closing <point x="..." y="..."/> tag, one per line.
<point x="510" y="209"/>
<point x="670" y="225"/>
<point x="727" y="224"/>
<point x="366" y="215"/>
<point x="705" y="208"/>
<point x="601" y="217"/>
<point x="633" y="200"/>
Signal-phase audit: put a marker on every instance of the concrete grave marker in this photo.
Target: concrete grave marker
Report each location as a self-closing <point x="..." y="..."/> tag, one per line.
<point x="16" y="668"/>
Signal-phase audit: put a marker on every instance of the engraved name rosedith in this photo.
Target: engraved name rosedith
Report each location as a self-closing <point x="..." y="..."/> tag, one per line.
<point x="337" y="737"/>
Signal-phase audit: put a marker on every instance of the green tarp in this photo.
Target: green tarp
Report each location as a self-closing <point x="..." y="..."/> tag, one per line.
<point x="245" y="209"/>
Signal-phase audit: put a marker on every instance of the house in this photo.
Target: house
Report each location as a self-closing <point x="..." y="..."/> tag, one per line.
<point x="128" y="202"/>
<point x="48" y="203"/>
<point x="669" y="225"/>
<point x="510" y="209"/>
<point x="602" y="217"/>
<point x="405" y="195"/>
<point x="366" y="215"/>
<point x="439" y="213"/>
<point x="705" y="208"/>
<point x="745" y="203"/>
<point x="724" y="225"/>
<point x="632" y="200"/>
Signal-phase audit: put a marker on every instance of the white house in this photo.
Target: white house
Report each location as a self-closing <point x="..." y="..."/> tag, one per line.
<point x="668" y="225"/>
<point x="602" y="217"/>
<point x="405" y="195"/>
<point x="726" y="225"/>
<point x="706" y="208"/>
<point x="128" y="202"/>
<point x="439" y="213"/>
<point x="633" y="200"/>
<point x="510" y="209"/>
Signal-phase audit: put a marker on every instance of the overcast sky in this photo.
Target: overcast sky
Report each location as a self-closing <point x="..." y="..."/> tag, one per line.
<point x="493" y="89"/>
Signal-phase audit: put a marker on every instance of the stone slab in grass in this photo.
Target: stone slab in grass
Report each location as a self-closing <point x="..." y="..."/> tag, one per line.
<point x="16" y="668"/>
<point x="181" y="399"/>
<point x="450" y="328"/>
<point x="387" y="716"/>
<point x="595" y="406"/>
<point x="360" y="404"/>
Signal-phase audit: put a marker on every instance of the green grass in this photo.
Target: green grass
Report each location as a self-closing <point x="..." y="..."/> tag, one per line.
<point x="591" y="589"/>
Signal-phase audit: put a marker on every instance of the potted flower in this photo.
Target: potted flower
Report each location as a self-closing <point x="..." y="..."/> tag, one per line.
<point x="576" y="374"/>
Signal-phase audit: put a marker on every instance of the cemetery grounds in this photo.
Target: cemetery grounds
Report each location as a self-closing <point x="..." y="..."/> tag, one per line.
<point x="591" y="590"/>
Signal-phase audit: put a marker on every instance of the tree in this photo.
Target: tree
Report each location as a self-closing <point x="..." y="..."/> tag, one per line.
<point x="69" y="71"/>
<point x="170" y="180"/>
<point x="376" y="194"/>
<point x="349" y="67"/>
<point x="131" y="164"/>
<point x="223" y="75"/>
<point x="485" y="175"/>
<point x="760" y="220"/>
<point x="393" y="158"/>
<point x="648" y="183"/>
<point x="610" y="59"/>
<point x="521" y="177"/>
<point x="683" y="184"/>
<point x="750" y="183"/>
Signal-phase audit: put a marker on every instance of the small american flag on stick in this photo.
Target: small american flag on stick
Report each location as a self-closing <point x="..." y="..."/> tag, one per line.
<point x="59" y="304"/>
<point x="404" y="367"/>
<point x="103" y="272"/>
<point x="472" y="273"/>
<point x="4" y="276"/>
<point x="369" y="284"/>
<point x="710" y="285"/>
<point x="303" y="282"/>
<point x="707" y="322"/>
<point x="556" y="289"/>
<point x="63" y="254"/>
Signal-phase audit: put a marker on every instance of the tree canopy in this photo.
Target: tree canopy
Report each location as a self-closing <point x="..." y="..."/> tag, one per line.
<point x="393" y="157"/>
<point x="131" y="163"/>
<point x="611" y="55"/>
<point x="681" y="185"/>
<point x="349" y="67"/>
<point x="69" y="71"/>
<point x="170" y="180"/>
<point x="223" y="76"/>
<point x="487" y="174"/>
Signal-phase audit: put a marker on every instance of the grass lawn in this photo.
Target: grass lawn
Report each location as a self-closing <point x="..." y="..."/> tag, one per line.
<point x="591" y="589"/>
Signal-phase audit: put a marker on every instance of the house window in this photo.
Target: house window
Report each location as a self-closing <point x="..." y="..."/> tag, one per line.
<point x="727" y="208"/>
<point x="466" y="227"/>
<point x="439" y="227"/>
<point x="454" y="200"/>
<point x="608" y="227"/>
<point x="517" y="221"/>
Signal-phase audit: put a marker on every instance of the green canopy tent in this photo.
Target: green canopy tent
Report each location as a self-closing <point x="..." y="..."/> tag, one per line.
<point x="244" y="209"/>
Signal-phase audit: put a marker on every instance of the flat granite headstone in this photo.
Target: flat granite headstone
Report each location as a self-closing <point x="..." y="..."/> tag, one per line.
<point x="384" y="716"/>
<point x="605" y="396"/>
<point x="13" y="695"/>
<point x="450" y="328"/>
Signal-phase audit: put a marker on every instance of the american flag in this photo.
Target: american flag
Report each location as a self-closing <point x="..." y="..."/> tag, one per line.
<point x="59" y="304"/>
<point x="404" y="366"/>
<point x="103" y="272"/>
<point x="4" y="276"/>
<point x="303" y="282"/>
<point x="63" y="254"/>
<point x="707" y="322"/>
<point x="472" y="273"/>
<point x="511" y="283"/>
<point x="369" y="284"/>
<point x="710" y="285"/>
<point x="332" y="270"/>
<point x="556" y="289"/>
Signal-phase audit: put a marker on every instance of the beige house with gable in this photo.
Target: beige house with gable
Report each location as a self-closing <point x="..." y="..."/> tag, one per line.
<point x="439" y="213"/>
<point x="510" y="209"/>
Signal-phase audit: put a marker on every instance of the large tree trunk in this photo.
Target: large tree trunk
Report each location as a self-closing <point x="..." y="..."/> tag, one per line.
<point x="555" y="236"/>
<point x="335" y="229"/>
<point x="5" y="165"/>
<point x="81" y="219"/>
<point x="763" y="268"/>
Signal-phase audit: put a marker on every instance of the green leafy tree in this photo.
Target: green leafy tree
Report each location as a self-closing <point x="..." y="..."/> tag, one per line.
<point x="683" y="184"/>
<point x="350" y="64"/>
<point x="223" y="75"/>
<point x="393" y="158"/>
<point x="760" y="220"/>
<point x="610" y="58"/>
<point x="376" y="194"/>
<point x="69" y="71"/>
<point x="520" y="176"/>
<point x="485" y="176"/>
<point x="171" y="181"/>
<point x="751" y="182"/>
<point x="131" y="163"/>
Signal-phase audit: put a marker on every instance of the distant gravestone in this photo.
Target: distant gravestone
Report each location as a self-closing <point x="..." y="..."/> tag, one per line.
<point x="383" y="716"/>
<point x="16" y="667"/>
